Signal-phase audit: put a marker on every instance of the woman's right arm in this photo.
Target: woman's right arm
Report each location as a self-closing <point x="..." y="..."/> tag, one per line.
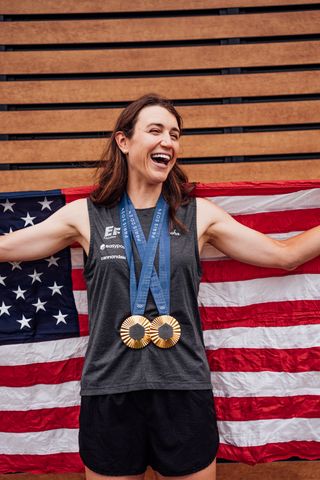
<point x="65" y="226"/>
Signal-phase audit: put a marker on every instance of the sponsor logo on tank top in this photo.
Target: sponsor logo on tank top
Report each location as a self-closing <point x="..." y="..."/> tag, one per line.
<point x="112" y="251"/>
<point x="174" y="233"/>
<point x="111" y="232"/>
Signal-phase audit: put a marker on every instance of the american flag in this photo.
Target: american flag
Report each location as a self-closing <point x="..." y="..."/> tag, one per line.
<point x="261" y="330"/>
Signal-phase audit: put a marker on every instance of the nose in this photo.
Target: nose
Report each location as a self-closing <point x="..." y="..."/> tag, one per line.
<point x="166" y="139"/>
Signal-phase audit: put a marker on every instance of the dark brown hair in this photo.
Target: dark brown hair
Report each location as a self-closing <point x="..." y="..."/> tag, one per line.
<point x="112" y="172"/>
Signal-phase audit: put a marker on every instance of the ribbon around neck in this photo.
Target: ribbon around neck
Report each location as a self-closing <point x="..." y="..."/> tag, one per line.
<point x="159" y="234"/>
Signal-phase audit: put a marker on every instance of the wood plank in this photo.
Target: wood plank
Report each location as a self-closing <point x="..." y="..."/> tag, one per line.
<point x="270" y="471"/>
<point x="101" y="6"/>
<point x="198" y="116"/>
<point x="302" y="470"/>
<point x="155" y="59"/>
<point x="193" y="146"/>
<point x="24" y="180"/>
<point x="159" y="29"/>
<point x="176" y="88"/>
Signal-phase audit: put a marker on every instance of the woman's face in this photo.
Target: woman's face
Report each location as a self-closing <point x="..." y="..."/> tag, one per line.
<point x="153" y="148"/>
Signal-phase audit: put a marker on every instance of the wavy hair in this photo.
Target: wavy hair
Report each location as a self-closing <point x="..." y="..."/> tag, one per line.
<point x="112" y="171"/>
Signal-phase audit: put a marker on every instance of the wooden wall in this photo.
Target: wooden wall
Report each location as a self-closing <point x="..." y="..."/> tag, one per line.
<point x="245" y="75"/>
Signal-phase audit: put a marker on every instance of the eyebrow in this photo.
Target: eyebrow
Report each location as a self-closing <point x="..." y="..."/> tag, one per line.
<point x="162" y="126"/>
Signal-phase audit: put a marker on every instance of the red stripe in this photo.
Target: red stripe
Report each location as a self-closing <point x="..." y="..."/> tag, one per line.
<point x="75" y="245"/>
<point x="83" y="324"/>
<point x="270" y="452"/>
<point x="37" y="464"/>
<point x="41" y="373"/>
<point x="281" y="221"/>
<point x="221" y="189"/>
<point x="78" y="280"/>
<point x="75" y="193"/>
<point x="40" y="420"/>
<point x="264" y="359"/>
<point x="266" y="408"/>
<point x="252" y="188"/>
<point x="229" y="270"/>
<point x="271" y="314"/>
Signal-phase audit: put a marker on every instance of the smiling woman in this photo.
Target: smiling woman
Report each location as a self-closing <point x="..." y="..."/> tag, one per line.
<point x="146" y="393"/>
<point x="149" y="129"/>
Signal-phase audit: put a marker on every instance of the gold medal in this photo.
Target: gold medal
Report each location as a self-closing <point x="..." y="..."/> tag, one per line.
<point x="135" y="331"/>
<point x="165" y="331"/>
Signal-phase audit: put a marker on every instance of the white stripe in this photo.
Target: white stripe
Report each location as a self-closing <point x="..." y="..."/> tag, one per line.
<point x="266" y="384"/>
<point x="81" y="301"/>
<point x="42" y="352"/>
<point x="298" y="336"/>
<point x="64" y="440"/>
<point x="77" y="257"/>
<point x="260" y="432"/>
<point x="40" y="396"/>
<point x="211" y="253"/>
<point x="260" y="290"/>
<point x="248" y="204"/>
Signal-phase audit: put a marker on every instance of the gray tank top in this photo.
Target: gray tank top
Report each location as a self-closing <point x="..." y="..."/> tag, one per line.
<point x="112" y="367"/>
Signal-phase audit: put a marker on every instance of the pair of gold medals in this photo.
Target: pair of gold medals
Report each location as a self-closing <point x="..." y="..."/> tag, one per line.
<point x="137" y="331"/>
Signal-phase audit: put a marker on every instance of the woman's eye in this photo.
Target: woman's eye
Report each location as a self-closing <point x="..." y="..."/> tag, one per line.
<point x="154" y="130"/>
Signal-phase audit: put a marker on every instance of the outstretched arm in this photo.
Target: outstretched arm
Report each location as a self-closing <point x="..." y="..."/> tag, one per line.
<point x="67" y="225"/>
<point x="247" y="245"/>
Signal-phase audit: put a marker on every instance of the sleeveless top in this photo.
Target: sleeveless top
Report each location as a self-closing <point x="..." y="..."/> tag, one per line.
<point x="112" y="367"/>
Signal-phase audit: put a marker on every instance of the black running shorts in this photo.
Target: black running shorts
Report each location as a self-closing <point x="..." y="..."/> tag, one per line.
<point x="173" y="431"/>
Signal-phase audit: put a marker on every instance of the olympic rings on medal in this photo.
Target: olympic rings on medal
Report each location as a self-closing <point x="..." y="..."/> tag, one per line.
<point x="165" y="331"/>
<point x="142" y="326"/>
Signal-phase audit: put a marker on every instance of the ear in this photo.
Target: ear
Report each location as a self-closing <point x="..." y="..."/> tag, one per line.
<point x="122" y="142"/>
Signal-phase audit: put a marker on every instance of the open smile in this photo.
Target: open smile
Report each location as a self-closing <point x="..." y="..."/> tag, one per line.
<point x="161" y="158"/>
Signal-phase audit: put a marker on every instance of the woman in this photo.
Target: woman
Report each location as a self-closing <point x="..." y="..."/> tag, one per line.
<point x="146" y="391"/>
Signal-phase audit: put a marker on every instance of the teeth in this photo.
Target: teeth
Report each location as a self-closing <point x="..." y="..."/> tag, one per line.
<point x="161" y="156"/>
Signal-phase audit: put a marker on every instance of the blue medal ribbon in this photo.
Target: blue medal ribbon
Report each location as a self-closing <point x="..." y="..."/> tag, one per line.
<point x="159" y="234"/>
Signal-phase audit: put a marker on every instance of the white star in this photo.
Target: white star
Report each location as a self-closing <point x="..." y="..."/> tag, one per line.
<point x="2" y="280"/>
<point x="7" y="205"/>
<point x="52" y="261"/>
<point x="35" y="276"/>
<point x="19" y="293"/>
<point x="10" y="231"/>
<point x="39" y="305"/>
<point x="24" y="322"/>
<point x="45" y="204"/>
<point x="4" y="309"/>
<point x="56" y="288"/>
<point x="28" y="220"/>
<point x="16" y="265"/>
<point x="60" y="318"/>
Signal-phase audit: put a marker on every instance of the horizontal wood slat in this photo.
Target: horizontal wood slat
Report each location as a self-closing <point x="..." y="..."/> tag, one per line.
<point x="160" y="29"/>
<point x="103" y="6"/>
<point x="193" y="146"/>
<point x="176" y="88"/>
<point x="155" y="59"/>
<point x="204" y="116"/>
<point x="24" y="180"/>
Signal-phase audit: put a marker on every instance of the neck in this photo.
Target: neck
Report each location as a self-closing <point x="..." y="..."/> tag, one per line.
<point x="144" y="196"/>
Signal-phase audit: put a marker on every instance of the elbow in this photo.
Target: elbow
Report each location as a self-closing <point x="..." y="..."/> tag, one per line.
<point x="290" y="266"/>
<point x="288" y="261"/>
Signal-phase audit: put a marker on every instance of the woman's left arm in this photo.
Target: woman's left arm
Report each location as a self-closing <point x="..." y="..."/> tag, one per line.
<point x="217" y="227"/>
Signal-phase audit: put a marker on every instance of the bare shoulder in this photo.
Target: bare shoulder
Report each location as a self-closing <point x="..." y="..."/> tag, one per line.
<point x="76" y="215"/>
<point x="77" y="206"/>
<point x="207" y="214"/>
